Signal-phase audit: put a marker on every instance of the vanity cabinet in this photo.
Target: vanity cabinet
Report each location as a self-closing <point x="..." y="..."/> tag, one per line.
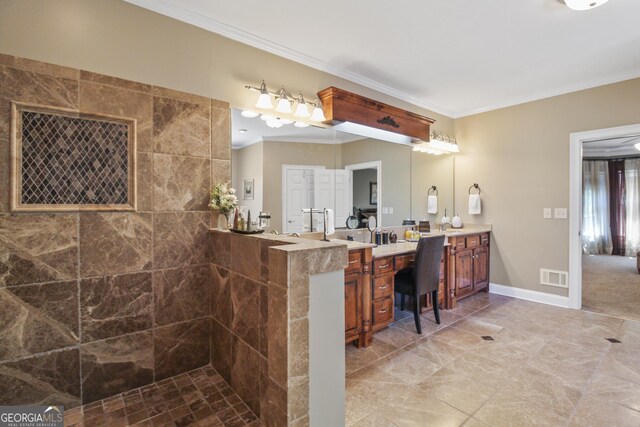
<point x="357" y="296"/>
<point x="382" y="292"/>
<point x="468" y="266"/>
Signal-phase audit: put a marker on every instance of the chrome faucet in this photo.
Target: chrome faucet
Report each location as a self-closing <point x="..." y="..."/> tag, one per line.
<point x="443" y="226"/>
<point x="274" y="231"/>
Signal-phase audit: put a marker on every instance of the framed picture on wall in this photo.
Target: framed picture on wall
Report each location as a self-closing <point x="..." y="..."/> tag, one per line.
<point x="248" y="189"/>
<point x="373" y="193"/>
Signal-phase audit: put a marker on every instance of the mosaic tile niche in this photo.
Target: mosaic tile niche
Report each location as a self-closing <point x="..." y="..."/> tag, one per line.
<point x="64" y="160"/>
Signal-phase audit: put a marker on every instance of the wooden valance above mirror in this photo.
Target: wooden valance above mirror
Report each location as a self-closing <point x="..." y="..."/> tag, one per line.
<point x="341" y="106"/>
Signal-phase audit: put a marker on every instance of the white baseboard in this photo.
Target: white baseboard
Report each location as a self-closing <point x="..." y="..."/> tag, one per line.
<point x="526" y="294"/>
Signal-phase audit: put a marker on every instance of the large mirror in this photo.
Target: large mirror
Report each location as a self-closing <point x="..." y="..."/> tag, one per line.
<point x="288" y="170"/>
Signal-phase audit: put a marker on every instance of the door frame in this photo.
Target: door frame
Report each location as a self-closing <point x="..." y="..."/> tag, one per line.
<point x="575" y="202"/>
<point x="377" y="164"/>
<point x="285" y="169"/>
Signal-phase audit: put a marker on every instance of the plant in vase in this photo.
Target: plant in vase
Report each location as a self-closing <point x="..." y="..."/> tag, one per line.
<point x="224" y="200"/>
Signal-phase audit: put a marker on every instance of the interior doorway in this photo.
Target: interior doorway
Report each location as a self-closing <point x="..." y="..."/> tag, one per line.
<point x="604" y="221"/>
<point x="366" y="182"/>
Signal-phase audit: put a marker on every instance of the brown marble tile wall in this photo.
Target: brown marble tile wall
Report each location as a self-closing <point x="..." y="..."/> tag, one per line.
<point x="260" y="325"/>
<point x="124" y="298"/>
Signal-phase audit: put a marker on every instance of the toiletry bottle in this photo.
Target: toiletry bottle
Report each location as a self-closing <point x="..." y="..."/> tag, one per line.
<point x="393" y="237"/>
<point x="249" y="220"/>
<point x="236" y="219"/>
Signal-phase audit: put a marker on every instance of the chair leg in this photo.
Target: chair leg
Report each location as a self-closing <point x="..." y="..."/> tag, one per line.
<point x="402" y="302"/>
<point x="416" y="313"/>
<point x="434" y="300"/>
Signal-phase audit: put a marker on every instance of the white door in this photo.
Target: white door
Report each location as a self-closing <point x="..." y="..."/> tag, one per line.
<point x="332" y="190"/>
<point x="299" y="195"/>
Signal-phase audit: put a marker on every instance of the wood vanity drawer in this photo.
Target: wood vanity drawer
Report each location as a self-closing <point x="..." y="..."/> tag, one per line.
<point x="484" y="240"/>
<point x="355" y="262"/>
<point x="473" y="241"/>
<point x="458" y="243"/>
<point x="382" y="266"/>
<point x="404" y="261"/>
<point x="383" y="310"/>
<point x="382" y="286"/>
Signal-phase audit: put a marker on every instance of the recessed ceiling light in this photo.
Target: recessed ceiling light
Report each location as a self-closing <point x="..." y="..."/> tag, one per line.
<point x="267" y="117"/>
<point x="242" y="130"/>
<point x="250" y="114"/>
<point x="584" y="4"/>
<point x="637" y="146"/>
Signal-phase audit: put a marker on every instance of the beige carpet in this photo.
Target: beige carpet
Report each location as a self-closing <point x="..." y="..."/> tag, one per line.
<point x="611" y="285"/>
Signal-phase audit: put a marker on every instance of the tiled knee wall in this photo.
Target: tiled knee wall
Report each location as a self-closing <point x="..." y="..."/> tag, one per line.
<point x="94" y="304"/>
<point x="239" y="309"/>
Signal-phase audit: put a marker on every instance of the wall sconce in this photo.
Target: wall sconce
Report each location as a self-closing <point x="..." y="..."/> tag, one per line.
<point x="439" y="143"/>
<point x="284" y="102"/>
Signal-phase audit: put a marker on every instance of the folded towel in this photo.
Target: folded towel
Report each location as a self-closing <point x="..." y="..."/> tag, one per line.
<point x="432" y="204"/>
<point x="474" y="204"/>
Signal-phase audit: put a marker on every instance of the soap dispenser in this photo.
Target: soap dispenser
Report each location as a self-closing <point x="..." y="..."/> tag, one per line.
<point x="445" y="219"/>
<point x="456" y="222"/>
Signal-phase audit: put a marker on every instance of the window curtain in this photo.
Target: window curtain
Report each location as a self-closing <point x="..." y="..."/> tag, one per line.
<point x="617" y="205"/>
<point x="596" y="229"/>
<point x="632" y="206"/>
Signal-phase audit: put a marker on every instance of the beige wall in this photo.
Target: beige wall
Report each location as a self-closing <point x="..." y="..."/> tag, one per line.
<point x="428" y="170"/>
<point x="395" y="190"/>
<point x="116" y="38"/>
<point x="246" y="163"/>
<point x="520" y="158"/>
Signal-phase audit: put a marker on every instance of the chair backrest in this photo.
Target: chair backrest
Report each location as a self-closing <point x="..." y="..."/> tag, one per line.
<point x="426" y="267"/>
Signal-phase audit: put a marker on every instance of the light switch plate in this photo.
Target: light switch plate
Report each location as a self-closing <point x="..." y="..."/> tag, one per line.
<point x="560" y="213"/>
<point x="546" y="213"/>
<point x="385" y="210"/>
<point x="390" y="210"/>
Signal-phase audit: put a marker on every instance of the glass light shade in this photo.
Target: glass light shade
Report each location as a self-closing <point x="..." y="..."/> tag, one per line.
<point x="267" y="117"/>
<point x="275" y="123"/>
<point x="301" y="124"/>
<point x="302" y="110"/>
<point x="250" y="114"/>
<point x="637" y="146"/>
<point x="318" y="115"/>
<point x="264" y="101"/>
<point x="284" y="106"/>
<point x="584" y="4"/>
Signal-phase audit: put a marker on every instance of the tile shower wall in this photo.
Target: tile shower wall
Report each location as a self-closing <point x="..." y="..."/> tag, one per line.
<point x="94" y="304"/>
<point x="239" y="308"/>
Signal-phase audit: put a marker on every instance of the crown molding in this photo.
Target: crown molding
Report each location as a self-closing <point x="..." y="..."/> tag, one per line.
<point x="538" y="96"/>
<point x="170" y="9"/>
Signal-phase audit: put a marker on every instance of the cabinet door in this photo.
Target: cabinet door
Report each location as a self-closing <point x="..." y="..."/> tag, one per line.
<point x="480" y="267"/>
<point x="352" y="305"/>
<point x="464" y="273"/>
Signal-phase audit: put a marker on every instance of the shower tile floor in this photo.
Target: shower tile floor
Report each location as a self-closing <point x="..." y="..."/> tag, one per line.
<point x="197" y="398"/>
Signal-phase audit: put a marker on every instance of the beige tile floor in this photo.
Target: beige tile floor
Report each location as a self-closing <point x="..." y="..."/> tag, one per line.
<point x="546" y="366"/>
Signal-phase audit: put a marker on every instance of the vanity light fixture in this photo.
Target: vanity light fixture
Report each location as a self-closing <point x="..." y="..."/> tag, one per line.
<point x="284" y="105"/>
<point x="439" y="143"/>
<point x="301" y="109"/>
<point x="317" y="115"/>
<point x="583" y="4"/>
<point x="284" y="102"/>
<point x="264" y="100"/>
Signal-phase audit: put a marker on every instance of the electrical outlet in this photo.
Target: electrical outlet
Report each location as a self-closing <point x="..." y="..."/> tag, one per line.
<point x="546" y="213"/>
<point x="560" y="213"/>
<point x="385" y="210"/>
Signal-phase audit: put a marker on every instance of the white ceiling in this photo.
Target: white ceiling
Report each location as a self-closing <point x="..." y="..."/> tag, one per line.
<point x="455" y="57"/>
<point x="611" y="147"/>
